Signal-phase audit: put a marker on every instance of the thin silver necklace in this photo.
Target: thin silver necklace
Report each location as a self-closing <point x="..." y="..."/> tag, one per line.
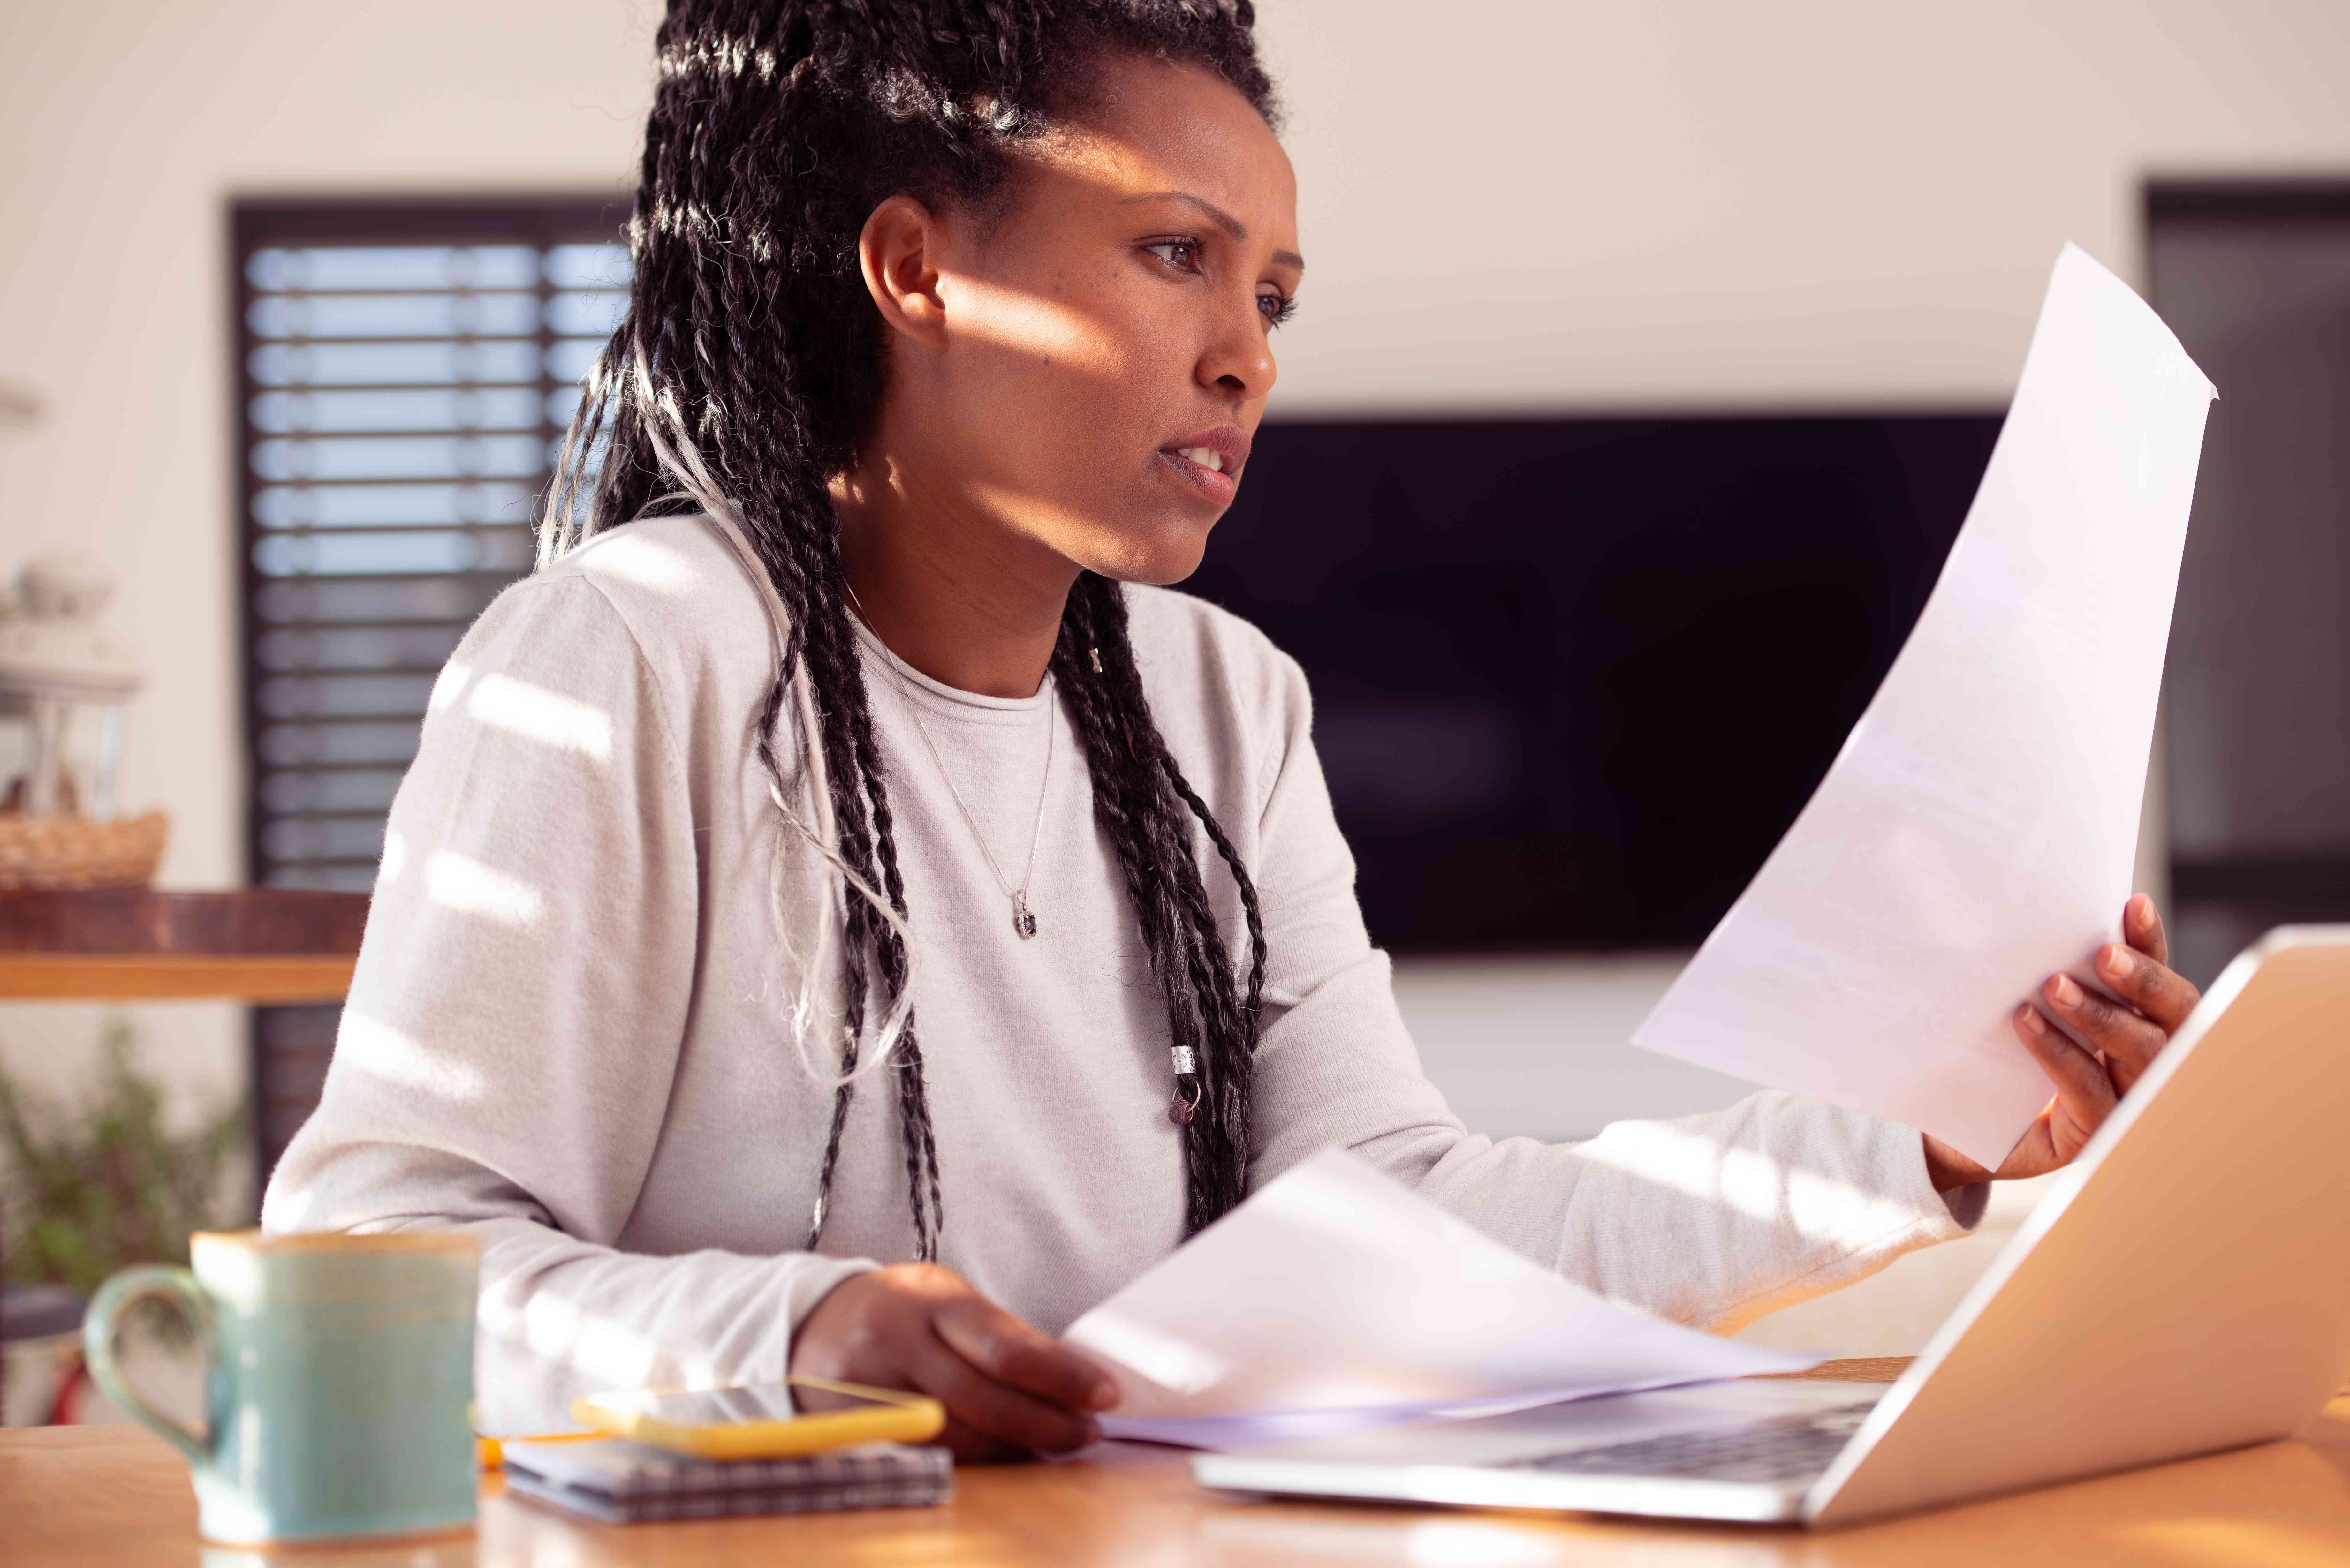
<point x="1024" y="922"/>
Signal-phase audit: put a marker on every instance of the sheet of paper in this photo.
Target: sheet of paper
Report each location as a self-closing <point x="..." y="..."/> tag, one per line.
<point x="1336" y="1298"/>
<point x="1976" y="832"/>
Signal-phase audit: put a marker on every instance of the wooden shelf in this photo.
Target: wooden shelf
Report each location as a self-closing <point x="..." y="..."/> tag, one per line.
<point x="163" y="977"/>
<point x="260" y="945"/>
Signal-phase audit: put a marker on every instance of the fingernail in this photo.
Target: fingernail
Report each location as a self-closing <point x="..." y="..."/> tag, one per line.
<point x="2141" y="912"/>
<point x="1105" y="1395"/>
<point x="2029" y="1016"/>
<point x="2118" y="961"/>
<point x="2064" y="992"/>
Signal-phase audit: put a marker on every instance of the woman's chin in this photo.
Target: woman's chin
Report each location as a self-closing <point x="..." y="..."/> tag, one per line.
<point x="1160" y="551"/>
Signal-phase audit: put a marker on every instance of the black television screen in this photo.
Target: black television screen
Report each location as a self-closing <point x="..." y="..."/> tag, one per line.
<point x="1573" y="677"/>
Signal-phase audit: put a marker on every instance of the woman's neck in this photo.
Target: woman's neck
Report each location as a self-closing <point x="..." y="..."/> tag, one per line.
<point x="954" y="593"/>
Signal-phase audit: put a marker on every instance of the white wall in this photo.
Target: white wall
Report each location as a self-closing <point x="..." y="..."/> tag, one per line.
<point x="125" y="127"/>
<point x="1507" y="203"/>
<point x="1700" y="202"/>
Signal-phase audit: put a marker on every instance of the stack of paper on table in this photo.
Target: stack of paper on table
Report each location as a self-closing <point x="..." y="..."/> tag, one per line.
<point x="1977" y="832"/>
<point x="1336" y="1298"/>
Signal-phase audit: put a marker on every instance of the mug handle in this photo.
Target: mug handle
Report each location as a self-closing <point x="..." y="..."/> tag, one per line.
<point x="106" y="1309"/>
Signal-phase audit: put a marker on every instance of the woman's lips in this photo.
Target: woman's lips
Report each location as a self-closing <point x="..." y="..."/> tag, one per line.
<point x="1217" y="487"/>
<point x="1209" y="460"/>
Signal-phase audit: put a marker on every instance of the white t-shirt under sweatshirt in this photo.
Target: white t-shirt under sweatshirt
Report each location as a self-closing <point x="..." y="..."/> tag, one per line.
<point x="569" y="1030"/>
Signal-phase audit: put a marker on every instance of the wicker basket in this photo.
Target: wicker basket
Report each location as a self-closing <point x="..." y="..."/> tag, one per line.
<point x="75" y="852"/>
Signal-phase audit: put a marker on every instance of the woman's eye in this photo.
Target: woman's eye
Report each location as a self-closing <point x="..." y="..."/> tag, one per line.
<point x="1189" y="257"/>
<point x="1184" y="256"/>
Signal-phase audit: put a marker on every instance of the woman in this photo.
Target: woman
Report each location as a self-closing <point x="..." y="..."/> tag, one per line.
<point x="834" y="854"/>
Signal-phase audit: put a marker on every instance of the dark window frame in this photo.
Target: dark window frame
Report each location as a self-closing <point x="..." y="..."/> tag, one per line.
<point x="288" y="1046"/>
<point x="2316" y="197"/>
<point x="259" y="222"/>
<point x="2283" y="887"/>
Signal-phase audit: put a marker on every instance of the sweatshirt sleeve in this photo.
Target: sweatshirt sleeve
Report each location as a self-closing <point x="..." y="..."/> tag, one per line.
<point x="505" y="1055"/>
<point x="1710" y="1219"/>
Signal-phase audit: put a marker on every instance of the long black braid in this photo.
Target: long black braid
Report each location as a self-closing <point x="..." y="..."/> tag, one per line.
<point x="749" y="367"/>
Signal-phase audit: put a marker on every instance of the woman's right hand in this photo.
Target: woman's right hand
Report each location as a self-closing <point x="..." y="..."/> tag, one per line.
<point x="1007" y="1387"/>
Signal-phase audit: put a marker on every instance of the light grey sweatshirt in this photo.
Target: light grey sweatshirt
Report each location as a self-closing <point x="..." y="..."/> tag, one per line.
<point x="571" y="1032"/>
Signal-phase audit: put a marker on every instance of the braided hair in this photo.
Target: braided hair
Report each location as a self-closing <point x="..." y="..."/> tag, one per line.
<point x="745" y="372"/>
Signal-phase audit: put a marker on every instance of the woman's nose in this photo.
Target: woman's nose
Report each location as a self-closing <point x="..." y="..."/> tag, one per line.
<point x="1239" y="355"/>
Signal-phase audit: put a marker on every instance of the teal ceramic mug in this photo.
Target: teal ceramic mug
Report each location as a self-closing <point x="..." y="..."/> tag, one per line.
<point x="339" y="1380"/>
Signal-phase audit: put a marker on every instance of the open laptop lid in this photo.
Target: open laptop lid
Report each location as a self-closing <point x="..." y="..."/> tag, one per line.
<point x="2184" y="1285"/>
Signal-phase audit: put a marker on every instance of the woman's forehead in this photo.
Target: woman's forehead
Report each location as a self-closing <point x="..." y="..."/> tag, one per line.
<point x="1169" y="128"/>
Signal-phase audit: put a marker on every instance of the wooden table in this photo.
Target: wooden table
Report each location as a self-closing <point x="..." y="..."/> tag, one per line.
<point x="94" y="1497"/>
<point x="263" y="945"/>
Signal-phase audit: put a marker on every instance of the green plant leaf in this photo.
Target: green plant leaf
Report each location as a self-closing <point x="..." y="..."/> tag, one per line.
<point x="103" y="1183"/>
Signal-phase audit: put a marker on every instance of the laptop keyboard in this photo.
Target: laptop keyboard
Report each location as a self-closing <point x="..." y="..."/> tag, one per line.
<point x="1790" y="1448"/>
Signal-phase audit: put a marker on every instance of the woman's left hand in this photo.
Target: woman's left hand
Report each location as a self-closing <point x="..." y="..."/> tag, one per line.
<point x="2123" y="1041"/>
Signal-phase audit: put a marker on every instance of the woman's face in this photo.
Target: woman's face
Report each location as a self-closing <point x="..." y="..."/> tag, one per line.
<point x="1083" y="367"/>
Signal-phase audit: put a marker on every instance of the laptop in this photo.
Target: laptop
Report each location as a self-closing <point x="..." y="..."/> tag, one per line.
<point x="2184" y="1287"/>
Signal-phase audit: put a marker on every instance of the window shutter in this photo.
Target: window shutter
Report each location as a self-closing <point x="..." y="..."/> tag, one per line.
<point x="406" y="370"/>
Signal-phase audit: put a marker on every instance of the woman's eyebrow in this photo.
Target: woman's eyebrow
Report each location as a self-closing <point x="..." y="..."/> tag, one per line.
<point x="1217" y="215"/>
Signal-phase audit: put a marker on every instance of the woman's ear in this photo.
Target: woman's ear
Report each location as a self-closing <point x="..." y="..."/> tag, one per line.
<point x="899" y="252"/>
